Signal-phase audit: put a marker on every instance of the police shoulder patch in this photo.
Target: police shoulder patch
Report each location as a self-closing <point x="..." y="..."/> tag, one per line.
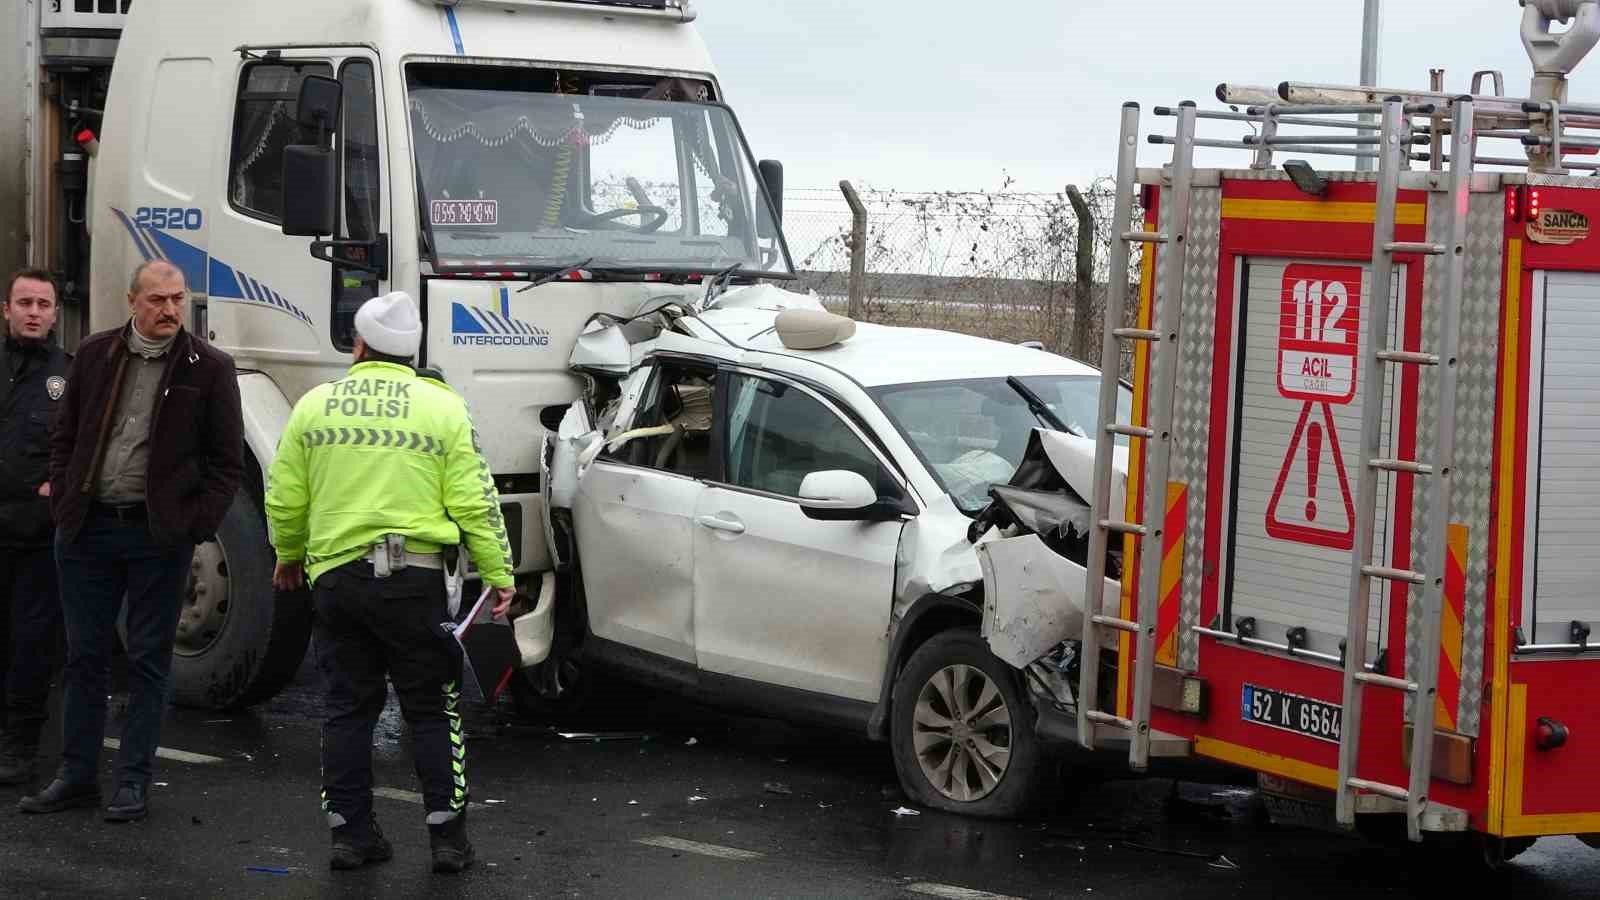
<point x="55" y="386"/>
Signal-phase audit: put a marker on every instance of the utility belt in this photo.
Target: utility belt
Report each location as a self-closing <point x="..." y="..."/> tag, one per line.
<point x="391" y="556"/>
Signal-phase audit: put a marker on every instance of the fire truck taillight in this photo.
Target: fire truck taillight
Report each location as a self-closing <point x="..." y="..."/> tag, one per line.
<point x="1548" y="734"/>
<point x="1522" y="204"/>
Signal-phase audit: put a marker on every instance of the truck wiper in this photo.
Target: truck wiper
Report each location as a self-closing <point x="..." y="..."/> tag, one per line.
<point x="557" y="275"/>
<point x="718" y="282"/>
<point x="1037" y="406"/>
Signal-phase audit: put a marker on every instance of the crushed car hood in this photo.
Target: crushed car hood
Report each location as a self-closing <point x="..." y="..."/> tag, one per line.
<point x="1032" y="546"/>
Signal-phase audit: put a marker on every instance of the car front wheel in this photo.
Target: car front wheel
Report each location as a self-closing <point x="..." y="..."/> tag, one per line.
<point x="962" y="731"/>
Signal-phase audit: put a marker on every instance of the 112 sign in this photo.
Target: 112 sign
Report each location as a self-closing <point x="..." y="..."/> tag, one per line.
<point x="1319" y="332"/>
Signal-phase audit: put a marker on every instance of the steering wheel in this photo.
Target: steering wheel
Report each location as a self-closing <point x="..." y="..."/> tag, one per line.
<point x="651" y="218"/>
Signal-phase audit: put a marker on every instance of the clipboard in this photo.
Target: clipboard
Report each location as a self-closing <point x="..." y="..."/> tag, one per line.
<point x="489" y="654"/>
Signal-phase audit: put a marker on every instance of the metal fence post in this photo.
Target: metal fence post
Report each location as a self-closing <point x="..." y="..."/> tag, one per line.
<point x="1083" y="277"/>
<point x="858" y="250"/>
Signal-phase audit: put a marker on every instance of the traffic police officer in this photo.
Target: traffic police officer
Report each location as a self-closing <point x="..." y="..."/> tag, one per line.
<point x="375" y="475"/>
<point x="32" y="379"/>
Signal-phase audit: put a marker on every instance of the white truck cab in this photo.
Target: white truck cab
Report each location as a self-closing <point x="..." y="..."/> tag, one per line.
<point x="516" y="165"/>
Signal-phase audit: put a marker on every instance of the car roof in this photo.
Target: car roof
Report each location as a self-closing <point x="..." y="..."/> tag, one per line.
<point x="878" y="355"/>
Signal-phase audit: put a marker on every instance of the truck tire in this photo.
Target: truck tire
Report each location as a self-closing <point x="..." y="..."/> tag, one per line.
<point x="239" y="641"/>
<point x="962" y="731"/>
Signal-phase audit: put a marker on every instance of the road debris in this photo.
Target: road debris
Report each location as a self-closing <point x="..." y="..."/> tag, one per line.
<point x="1214" y="860"/>
<point x="595" y="737"/>
<point x="905" y="811"/>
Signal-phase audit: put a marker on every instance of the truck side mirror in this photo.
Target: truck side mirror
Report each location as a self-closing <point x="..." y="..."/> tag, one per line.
<point x="772" y="176"/>
<point x="309" y="169"/>
<point x="308" y="195"/>
<point x="318" y="106"/>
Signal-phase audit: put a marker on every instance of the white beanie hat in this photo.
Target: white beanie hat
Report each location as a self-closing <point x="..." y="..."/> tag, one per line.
<point x="390" y="324"/>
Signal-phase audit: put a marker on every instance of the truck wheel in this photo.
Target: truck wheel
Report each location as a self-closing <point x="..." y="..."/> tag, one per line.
<point x="962" y="731"/>
<point x="239" y="641"/>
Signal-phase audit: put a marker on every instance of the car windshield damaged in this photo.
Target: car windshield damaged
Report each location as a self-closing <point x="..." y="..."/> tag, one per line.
<point x="971" y="434"/>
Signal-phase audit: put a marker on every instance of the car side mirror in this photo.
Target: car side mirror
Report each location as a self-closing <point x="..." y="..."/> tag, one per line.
<point x="840" y="496"/>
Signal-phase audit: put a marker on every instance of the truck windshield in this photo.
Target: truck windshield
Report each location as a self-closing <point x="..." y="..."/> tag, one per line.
<point x="972" y="434"/>
<point x="519" y="178"/>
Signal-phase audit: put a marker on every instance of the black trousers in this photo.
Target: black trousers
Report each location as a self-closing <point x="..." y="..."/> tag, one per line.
<point x="369" y="627"/>
<point x="30" y="639"/>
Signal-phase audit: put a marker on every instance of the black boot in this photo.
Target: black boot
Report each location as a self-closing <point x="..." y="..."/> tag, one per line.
<point x="452" y="852"/>
<point x="356" y="845"/>
<point x="16" y="759"/>
<point x="61" y="795"/>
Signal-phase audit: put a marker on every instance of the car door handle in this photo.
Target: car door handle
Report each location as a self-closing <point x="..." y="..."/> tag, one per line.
<point x="716" y="524"/>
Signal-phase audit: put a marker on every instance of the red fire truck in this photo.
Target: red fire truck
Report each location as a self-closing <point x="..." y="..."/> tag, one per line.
<point x="1364" y="479"/>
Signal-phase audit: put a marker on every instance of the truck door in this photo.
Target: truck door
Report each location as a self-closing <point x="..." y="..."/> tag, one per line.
<point x="270" y="300"/>
<point x="1298" y="428"/>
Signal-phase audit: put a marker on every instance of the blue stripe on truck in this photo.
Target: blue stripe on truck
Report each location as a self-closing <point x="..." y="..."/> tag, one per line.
<point x="455" y="29"/>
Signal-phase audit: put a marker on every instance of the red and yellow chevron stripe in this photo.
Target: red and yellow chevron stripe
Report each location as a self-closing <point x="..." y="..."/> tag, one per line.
<point x="1450" y="636"/>
<point x="1171" y="573"/>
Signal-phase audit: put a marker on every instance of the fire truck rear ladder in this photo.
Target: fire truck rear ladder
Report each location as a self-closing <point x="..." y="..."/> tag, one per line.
<point x="1421" y="815"/>
<point x="1156" y="432"/>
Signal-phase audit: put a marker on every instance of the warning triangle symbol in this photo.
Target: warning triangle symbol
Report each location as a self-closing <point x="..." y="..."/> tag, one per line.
<point x="1311" y="502"/>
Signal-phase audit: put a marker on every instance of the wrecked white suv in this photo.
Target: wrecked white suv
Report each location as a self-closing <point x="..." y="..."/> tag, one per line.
<point x="771" y="508"/>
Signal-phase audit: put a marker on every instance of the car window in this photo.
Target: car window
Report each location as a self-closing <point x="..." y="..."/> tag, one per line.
<point x="972" y="434"/>
<point x="672" y="428"/>
<point x="778" y="434"/>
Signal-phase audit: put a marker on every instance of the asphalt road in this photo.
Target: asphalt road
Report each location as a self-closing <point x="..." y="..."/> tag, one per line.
<point x="674" y="800"/>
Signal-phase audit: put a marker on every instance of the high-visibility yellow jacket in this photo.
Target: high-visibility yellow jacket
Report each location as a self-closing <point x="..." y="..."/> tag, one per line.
<point x="379" y="452"/>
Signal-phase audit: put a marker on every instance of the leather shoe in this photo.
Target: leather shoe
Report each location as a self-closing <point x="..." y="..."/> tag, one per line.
<point x="127" y="805"/>
<point x="61" y="795"/>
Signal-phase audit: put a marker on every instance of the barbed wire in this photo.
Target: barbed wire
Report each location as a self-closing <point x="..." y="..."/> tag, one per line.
<point x="996" y="264"/>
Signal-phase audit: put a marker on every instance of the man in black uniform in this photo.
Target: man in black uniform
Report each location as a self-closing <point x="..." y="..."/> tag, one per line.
<point x="32" y="379"/>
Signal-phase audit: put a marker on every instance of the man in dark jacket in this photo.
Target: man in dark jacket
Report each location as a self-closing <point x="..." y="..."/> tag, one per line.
<point x="145" y="458"/>
<point x="32" y="379"/>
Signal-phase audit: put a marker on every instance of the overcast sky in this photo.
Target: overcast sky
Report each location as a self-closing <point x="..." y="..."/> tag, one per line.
<point x="951" y="94"/>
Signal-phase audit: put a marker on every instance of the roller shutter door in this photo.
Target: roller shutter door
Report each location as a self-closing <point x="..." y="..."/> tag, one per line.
<point x="1298" y="431"/>
<point x="1564" y="470"/>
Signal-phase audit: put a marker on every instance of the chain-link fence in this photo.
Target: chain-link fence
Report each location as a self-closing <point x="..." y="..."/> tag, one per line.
<point x="1001" y="265"/>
